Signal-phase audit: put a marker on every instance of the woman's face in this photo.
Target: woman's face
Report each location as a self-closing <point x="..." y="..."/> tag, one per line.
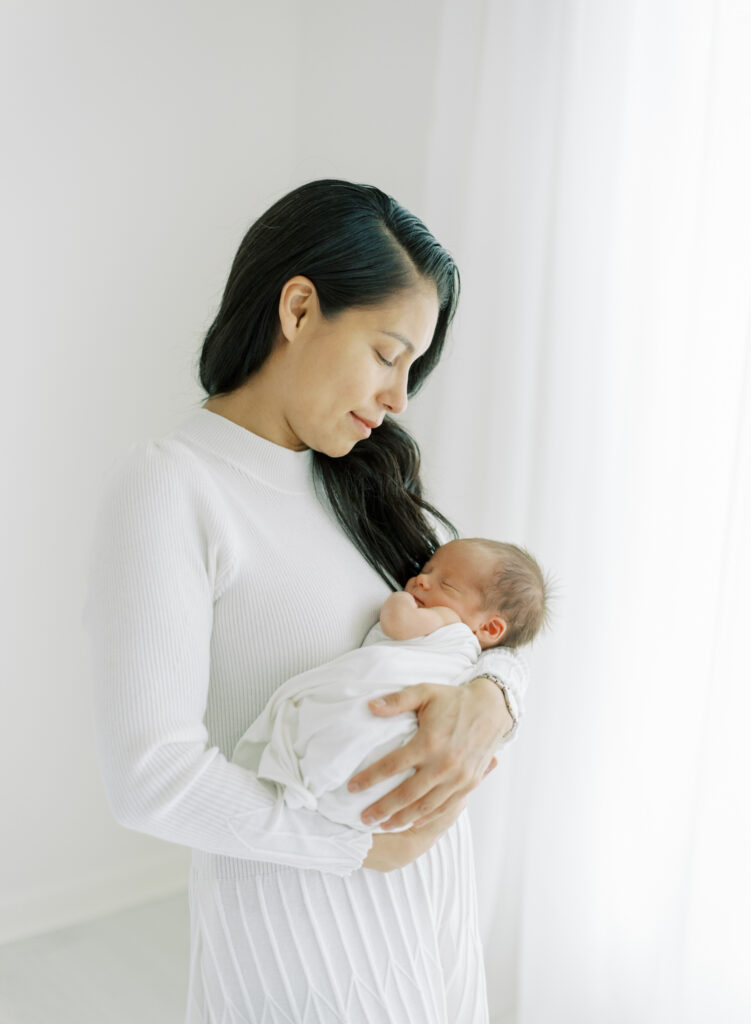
<point x="343" y="375"/>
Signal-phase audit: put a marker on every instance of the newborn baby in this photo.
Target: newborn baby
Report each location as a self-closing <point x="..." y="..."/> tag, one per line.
<point x="317" y="731"/>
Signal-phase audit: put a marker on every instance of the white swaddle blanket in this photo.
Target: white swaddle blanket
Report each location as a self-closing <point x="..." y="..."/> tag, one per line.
<point x="317" y="730"/>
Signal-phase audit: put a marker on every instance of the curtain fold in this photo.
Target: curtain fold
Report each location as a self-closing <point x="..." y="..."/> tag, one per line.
<point x="589" y="169"/>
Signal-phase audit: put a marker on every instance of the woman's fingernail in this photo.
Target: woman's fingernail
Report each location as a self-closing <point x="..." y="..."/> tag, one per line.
<point x="379" y="702"/>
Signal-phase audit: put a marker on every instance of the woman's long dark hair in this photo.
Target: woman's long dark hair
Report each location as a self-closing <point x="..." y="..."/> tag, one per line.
<point x="359" y="247"/>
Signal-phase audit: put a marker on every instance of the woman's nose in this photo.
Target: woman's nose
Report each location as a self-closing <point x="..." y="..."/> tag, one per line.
<point x="395" y="398"/>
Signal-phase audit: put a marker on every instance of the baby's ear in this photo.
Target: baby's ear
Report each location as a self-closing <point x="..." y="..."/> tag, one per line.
<point x="491" y="631"/>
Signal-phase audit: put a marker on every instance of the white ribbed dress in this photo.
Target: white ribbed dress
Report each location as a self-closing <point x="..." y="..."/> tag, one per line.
<point x="216" y="573"/>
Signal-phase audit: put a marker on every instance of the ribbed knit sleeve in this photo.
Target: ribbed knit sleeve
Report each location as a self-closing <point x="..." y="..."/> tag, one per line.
<point x="158" y="564"/>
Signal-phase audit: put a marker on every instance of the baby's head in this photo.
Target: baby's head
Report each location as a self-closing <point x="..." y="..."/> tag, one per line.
<point x="496" y="589"/>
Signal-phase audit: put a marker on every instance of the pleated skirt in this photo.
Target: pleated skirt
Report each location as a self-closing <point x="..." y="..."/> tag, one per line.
<point x="305" y="947"/>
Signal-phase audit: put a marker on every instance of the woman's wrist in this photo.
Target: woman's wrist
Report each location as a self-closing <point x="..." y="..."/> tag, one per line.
<point x="390" y="852"/>
<point x="487" y="682"/>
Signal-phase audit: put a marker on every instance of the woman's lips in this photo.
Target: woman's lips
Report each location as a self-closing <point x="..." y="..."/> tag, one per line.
<point x="365" y="428"/>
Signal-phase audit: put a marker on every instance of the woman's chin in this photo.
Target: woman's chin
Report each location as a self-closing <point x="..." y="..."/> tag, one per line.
<point x="339" y="452"/>
<point x="336" y="449"/>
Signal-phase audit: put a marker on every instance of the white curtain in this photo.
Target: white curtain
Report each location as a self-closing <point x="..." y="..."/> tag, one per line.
<point x="591" y="170"/>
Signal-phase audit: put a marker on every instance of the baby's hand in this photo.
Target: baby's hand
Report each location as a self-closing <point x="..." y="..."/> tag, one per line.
<point x="403" y="619"/>
<point x="400" y="599"/>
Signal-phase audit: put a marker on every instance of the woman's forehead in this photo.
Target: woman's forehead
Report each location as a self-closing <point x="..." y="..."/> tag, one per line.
<point x="410" y="317"/>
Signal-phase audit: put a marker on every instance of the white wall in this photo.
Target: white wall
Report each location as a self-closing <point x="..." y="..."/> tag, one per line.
<point x="144" y="140"/>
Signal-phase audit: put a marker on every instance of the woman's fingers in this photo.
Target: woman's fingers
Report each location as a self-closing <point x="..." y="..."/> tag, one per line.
<point x="411" y="698"/>
<point x="431" y="770"/>
<point x="449" y="811"/>
<point x="425" y="809"/>
<point x="402" y="799"/>
<point x="391" y="764"/>
<point x="420" y="795"/>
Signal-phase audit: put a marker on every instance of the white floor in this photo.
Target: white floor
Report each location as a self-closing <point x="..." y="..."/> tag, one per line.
<point x="129" y="968"/>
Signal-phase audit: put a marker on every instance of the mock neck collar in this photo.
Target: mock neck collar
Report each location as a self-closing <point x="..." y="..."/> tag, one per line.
<point x="280" y="467"/>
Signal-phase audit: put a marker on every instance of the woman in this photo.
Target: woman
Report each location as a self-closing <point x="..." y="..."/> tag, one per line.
<point x="257" y="540"/>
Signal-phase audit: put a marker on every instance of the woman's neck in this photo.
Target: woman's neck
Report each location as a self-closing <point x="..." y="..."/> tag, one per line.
<point x="256" y="405"/>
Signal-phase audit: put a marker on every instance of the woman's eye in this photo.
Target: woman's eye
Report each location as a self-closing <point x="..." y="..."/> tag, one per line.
<point x="383" y="360"/>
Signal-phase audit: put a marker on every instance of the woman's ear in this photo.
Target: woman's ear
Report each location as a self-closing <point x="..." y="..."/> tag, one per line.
<point x="297" y="301"/>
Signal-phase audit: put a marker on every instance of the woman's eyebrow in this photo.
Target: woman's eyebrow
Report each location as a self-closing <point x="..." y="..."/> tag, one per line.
<point x="400" y="337"/>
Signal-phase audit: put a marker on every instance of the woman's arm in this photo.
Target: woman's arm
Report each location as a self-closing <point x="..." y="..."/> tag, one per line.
<point x="156" y="567"/>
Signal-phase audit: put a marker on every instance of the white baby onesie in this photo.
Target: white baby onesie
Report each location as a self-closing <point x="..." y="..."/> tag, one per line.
<point x="317" y="730"/>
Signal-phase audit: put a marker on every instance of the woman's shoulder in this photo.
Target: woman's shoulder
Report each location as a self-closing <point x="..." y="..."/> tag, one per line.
<point x="156" y="465"/>
<point x="156" y="487"/>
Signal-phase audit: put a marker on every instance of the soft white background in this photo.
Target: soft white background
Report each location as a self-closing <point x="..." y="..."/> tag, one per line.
<point x="588" y="164"/>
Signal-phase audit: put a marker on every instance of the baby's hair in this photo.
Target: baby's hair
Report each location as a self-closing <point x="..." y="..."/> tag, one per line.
<point x="518" y="590"/>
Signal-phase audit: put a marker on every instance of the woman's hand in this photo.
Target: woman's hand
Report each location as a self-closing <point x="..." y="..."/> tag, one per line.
<point x="459" y="727"/>
<point x="390" y="852"/>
